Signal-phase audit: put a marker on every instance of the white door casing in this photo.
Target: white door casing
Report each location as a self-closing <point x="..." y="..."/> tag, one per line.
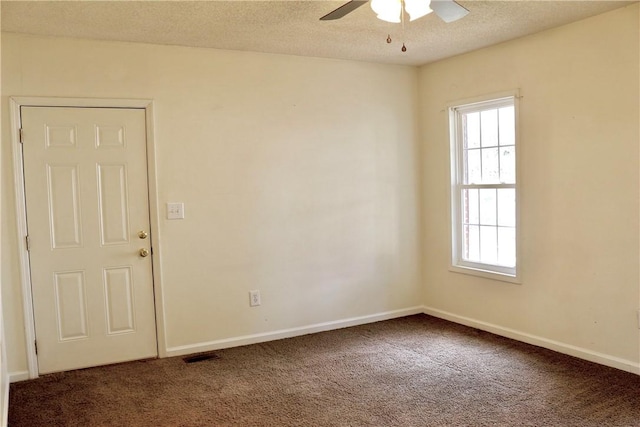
<point x="86" y="200"/>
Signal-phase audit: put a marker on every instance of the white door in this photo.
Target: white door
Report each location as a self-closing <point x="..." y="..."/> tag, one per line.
<point x="87" y="205"/>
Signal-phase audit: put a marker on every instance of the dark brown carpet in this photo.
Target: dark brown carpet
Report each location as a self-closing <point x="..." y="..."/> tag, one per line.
<point x="413" y="371"/>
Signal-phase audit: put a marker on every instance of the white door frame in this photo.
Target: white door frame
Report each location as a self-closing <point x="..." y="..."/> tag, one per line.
<point x="15" y="103"/>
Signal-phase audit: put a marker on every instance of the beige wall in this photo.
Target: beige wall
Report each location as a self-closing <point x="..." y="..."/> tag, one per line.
<point x="299" y="178"/>
<point x="579" y="126"/>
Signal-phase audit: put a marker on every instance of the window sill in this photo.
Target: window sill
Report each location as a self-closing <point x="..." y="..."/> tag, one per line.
<point x="487" y="274"/>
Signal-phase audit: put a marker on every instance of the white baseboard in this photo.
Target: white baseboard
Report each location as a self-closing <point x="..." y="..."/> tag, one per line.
<point x="581" y="353"/>
<point x="289" y="333"/>
<point x="4" y="404"/>
<point x="18" y="376"/>
<point x="571" y="350"/>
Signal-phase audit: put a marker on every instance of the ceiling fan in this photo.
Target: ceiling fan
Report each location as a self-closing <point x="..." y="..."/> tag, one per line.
<point x="447" y="10"/>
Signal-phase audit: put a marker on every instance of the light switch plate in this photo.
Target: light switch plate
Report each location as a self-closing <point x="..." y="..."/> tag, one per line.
<point x="175" y="210"/>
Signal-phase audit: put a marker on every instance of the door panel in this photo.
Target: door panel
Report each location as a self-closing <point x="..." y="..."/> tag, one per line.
<point x="64" y="206"/>
<point x="114" y="207"/>
<point x="119" y="299"/>
<point x="71" y="305"/>
<point x="87" y="199"/>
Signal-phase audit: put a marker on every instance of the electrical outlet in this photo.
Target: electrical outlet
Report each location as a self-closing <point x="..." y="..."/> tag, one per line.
<point x="254" y="298"/>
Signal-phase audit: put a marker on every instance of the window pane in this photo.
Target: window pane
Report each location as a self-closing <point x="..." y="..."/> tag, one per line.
<point x="472" y="130"/>
<point x="470" y="213"/>
<point x="473" y="167"/>
<point x="507" y="246"/>
<point x="507" y="207"/>
<point x="488" y="245"/>
<point x="471" y="246"/>
<point x="490" y="166"/>
<point x="489" y="128"/>
<point x="508" y="165"/>
<point x="506" y="117"/>
<point x="488" y="206"/>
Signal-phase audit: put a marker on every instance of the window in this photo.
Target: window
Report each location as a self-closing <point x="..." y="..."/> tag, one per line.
<point x="483" y="188"/>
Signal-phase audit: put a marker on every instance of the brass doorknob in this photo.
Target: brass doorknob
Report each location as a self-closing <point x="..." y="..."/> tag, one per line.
<point x="144" y="252"/>
<point x="143" y="234"/>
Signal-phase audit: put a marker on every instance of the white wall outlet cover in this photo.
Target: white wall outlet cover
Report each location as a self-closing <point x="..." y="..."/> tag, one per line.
<point x="175" y="210"/>
<point x="254" y="298"/>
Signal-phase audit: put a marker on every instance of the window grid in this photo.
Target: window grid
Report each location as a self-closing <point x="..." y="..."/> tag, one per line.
<point x="467" y="223"/>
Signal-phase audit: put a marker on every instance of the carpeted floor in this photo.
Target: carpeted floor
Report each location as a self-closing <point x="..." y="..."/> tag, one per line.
<point x="413" y="371"/>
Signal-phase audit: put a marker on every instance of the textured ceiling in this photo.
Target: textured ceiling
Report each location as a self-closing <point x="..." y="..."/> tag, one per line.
<point x="293" y="27"/>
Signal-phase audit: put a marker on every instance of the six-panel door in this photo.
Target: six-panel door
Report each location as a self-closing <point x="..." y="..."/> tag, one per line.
<point x="87" y="202"/>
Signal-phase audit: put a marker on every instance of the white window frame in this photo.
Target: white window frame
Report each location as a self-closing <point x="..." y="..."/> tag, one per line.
<point x="457" y="263"/>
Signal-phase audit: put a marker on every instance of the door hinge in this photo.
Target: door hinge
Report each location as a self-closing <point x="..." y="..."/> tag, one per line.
<point x="35" y="344"/>
<point x="21" y="131"/>
<point x="27" y="239"/>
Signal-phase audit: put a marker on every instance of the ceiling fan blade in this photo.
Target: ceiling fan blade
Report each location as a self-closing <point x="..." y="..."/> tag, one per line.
<point x="448" y="10"/>
<point x="343" y="10"/>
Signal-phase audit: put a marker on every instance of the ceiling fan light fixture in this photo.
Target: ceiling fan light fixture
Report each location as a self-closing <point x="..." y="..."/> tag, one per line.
<point x="391" y="10"/>
<point x="387" y="10"/>
<point x="417" y="8"/>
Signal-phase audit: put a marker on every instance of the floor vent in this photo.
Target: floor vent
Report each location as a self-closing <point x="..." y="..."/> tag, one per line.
<point x="200" y="357"/>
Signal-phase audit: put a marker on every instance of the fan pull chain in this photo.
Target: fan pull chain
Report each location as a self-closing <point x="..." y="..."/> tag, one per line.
<point x="402" y="12"/>
<point x="388" y="38"/>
